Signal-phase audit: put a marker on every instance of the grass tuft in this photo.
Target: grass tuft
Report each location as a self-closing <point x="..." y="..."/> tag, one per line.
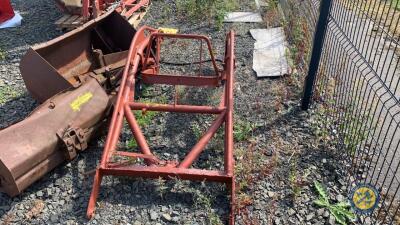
<point x="211" y="10"/>
<point x="242" y="130"/>
<point x="7" y="93"/>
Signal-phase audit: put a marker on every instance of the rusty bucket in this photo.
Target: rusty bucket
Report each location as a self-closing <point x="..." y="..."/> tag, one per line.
<point x="72" y="76"/>
<point x="57" y="65"/>
<point x="32" y="147"/>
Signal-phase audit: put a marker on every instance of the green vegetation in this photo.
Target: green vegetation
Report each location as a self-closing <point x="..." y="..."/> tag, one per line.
<point x="143" y="119"/>
<point x="339" y="210"/>
<point x="197" y="131"/>
<point x="297" y="178"/>
<point x="131" y="143"/>
<point x="273" y="16"/>
<point x="242" y="130"/>
<point x="355" y="127"/>
<point x="396" y="4"/>
<point x="2" y="54"/>
<point x="203" y="197"/>
<point x="197" y="10"/>
<point x="355" y="132"/>
<point x="204" y="201"/>
<point x="7" y="93"/>
<point x="299" y="37"/>
<point x="294" y="180"/>
<point x="300" y="44"/>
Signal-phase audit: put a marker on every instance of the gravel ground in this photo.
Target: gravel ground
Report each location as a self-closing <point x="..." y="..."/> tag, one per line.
<point x="37" y="26"/>
<point x="278" y="155"/>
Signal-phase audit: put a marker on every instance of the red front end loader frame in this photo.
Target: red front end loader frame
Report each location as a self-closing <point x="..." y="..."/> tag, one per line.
<point x="143" y="63"/>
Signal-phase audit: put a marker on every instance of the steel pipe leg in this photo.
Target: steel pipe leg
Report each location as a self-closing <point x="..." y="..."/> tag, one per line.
<point x="95" y="193"/>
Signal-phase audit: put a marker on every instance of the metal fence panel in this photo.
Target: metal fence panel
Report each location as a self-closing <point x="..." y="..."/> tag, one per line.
<point x="358" y="84"/>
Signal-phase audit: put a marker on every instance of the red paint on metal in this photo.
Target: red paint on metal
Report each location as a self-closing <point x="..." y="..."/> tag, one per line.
<point x="93" y="9"/>
<point x="141" y="56"/>
<point x="135" y="7"/>
<point x="176" y="108"/>
<point x="6" y="11"/>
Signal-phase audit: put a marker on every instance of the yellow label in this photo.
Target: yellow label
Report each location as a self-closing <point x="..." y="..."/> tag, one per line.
<point x="364" y="198"/>
<point x="81" y="100"/>
<point x="168" y="30"/>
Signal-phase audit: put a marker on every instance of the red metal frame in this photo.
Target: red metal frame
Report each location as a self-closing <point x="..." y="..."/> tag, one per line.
<point x="126" y="7"/>
<point x="140" y="56"/>
<point x="6" y="11"/>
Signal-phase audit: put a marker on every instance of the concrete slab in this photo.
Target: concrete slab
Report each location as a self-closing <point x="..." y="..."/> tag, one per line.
<point x="269" y="56"/>
<point x="243" y="17"/>
<point x="261" y="3"/>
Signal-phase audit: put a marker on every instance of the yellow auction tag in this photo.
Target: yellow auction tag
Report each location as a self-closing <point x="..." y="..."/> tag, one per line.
<point x="364" y="198"/>
<point x="168" y="30"/>
<point x="81" y="100"/>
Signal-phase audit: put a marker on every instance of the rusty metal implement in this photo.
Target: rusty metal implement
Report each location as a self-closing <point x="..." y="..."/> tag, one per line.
<point x="74" y="76"/>
<point x="57" y="65"/>
<point x="78" y="12"/>
<point x="31" y="148"/>
<point x="144" y="62"/>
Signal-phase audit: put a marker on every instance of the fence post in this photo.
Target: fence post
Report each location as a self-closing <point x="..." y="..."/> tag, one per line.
<point x="319" y="37"/>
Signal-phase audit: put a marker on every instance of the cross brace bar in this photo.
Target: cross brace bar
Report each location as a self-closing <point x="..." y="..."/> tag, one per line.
<point x="142" y="55"/>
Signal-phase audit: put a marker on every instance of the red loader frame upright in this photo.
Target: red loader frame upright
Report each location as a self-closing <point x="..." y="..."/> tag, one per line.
<point x="144" y="63"/>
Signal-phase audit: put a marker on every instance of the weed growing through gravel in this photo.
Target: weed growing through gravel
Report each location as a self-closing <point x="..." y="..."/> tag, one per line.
<point x="213" y="10"/>
<point x="299" y="37"/>
<point x="197" y="131"/>
<point x="251" y="167"/>
<point x="161" y="187"/>
<point x="339" y="210"/>
<point x="202" y="200"/>
<point x="144" y="118"/>
<point x="242" y="130"/>
<point x="7" y="93"/>
<point x="355" y="131"/>
<point x="272" y="15"/>
<point x="294" y="180"/>
<point x="132" y="143"/>
<point x="2" y="54"/>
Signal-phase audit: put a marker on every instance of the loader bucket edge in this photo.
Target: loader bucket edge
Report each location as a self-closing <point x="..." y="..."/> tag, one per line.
<point x="51" y="67"/>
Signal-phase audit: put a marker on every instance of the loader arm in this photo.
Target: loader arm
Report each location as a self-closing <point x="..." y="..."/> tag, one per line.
<point x="143" y="63"/>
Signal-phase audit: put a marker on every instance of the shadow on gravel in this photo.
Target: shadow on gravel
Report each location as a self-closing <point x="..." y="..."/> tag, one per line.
<point x="279" y="121"/>
<point x="147" y="195"/>
<point x="16" y="109"/>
